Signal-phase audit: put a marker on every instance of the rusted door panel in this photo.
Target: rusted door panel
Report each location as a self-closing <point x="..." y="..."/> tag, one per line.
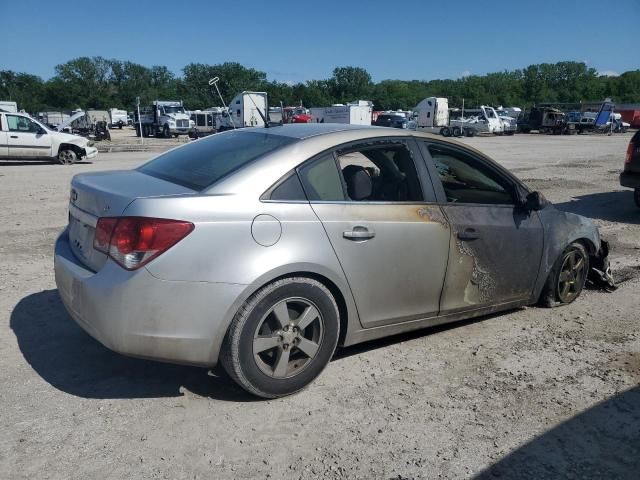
<point x="499" y="265"/>
<point x="393" y="255"/>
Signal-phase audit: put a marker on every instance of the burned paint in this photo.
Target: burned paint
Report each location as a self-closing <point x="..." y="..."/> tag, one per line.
<point x="561" y="229"/>
<point x="479" y="289"/>
<point x="390" y="212"/>
<point x="433" y="213"/>
<point x="494" y="256"/>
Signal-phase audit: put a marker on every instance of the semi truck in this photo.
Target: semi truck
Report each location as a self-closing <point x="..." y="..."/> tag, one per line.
<point x="247" y="109"/>
<point x="433" y="115"/>
<point x="163" y="117"/>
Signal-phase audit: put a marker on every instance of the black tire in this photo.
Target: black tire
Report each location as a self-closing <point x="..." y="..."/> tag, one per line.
<point x="248" y="369"/>
<point x="470" y="132"/>
<point x="636" y="197"/>
<point x="166" y="133"/>
<point x="456" y="132"/>
<point x="67" y="156"/>
<point x="446" y="132"/>
<point x="553" y="291"/>
<point x="138" y="130"/>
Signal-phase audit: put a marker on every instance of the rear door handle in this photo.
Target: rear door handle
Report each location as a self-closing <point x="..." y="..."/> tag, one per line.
<point x="359" y="233"/>
<point x="468" y="234"/>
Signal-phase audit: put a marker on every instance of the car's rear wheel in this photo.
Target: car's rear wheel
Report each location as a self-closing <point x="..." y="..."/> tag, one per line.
<point x="282" y="337"/>
<point x="67" y="156"/>
<point x="636" y="197"/>
<point x="567" y="277"/>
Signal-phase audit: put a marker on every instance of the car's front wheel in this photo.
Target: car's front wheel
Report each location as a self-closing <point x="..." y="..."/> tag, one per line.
<point x="282" y="337"/>
<point x="67" y="156"/>
<point x="567" y="277"/>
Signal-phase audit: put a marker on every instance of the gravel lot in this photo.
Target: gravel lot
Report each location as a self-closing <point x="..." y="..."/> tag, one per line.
<point x="534" y="393"/>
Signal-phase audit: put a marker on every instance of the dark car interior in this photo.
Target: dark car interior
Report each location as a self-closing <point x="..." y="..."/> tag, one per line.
<point x="385" y="174"/>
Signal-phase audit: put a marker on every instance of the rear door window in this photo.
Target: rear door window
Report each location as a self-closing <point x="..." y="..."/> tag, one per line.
<point x="200" y="164"/>
<point x="321" y="180"/>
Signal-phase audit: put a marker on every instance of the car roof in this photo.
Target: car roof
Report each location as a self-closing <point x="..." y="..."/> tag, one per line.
<point x="342" y="132"/>
<point x="307" y="130"/>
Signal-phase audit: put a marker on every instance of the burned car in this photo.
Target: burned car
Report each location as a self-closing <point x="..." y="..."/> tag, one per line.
<point x="265" y="249"/>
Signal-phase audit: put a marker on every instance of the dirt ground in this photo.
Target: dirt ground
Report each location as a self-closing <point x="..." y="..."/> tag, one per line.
<point x="533" y="393"/>
<point x="125" y="140"/>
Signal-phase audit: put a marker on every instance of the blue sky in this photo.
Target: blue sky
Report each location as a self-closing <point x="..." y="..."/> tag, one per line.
<point x="299" y="40"/>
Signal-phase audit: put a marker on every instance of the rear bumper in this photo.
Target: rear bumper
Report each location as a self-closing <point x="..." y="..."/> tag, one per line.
<point x="137" y="314"/>
<point x="630" y="179"/>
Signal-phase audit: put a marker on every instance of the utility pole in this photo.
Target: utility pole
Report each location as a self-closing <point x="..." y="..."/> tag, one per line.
<point x="139" y="121"/>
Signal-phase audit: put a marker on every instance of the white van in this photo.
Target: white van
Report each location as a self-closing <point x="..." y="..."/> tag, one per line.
<point x="22" y="137"/>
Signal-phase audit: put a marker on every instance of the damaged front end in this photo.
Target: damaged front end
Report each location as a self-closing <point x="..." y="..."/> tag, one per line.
<point x="600" y="270"/>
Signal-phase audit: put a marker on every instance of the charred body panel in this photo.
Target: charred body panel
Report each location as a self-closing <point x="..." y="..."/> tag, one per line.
<point x="560" y="230"/>
<point x="494" y="256"/>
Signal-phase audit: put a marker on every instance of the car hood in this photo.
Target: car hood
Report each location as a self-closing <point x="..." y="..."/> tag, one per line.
<point x="69" y="138"/>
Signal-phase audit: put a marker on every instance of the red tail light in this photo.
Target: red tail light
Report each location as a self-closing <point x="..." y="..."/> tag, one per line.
<point x="134" y="241"/>
<point x="630" y="148"/>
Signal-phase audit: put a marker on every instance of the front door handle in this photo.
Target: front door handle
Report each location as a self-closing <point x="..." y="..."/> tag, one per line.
<point x="468" y="234"/>
<point x="359" y="233"/>
<point x="14" y="136"/>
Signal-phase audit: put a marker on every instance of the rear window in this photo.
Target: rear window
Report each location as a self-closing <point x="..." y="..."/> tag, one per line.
<point x="202" y="163"/>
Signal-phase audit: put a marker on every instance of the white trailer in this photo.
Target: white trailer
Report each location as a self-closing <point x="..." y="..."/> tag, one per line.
<point x="53" y="119"/>
<point x="8" y="106"/>
<point x="247" y="109"/>
<point x="354" y="114"/>
<point x="204" y="121"/>
<point x="118" y="118"/>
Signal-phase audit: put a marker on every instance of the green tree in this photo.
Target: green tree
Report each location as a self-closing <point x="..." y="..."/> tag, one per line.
<point x="350" y="83"/>
<point x="28" y="91"/>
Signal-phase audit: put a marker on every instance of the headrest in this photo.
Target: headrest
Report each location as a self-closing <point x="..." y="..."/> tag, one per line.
<point x="359" y="185"/>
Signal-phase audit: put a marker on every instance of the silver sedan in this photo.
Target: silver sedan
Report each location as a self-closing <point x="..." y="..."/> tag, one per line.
<point x="265" y="249"/>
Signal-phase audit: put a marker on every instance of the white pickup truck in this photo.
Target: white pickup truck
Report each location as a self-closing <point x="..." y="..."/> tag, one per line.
<point x="22" y="137"/>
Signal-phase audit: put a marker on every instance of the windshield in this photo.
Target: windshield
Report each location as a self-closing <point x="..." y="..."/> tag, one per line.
<point x="200" y="164"/>
<point x="172" y="109"/>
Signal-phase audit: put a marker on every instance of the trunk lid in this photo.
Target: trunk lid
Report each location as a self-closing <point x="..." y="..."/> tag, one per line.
<point x="107" y="194"/>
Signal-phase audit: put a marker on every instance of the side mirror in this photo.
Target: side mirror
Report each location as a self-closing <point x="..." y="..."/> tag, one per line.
<point x="535" y="201"/>
<point x="41" y="131"/>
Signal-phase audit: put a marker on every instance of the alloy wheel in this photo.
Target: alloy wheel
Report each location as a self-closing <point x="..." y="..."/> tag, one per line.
<point x="288" y="338"/>
<point x="66" y="157"/>
<point x="572" y="276"/>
